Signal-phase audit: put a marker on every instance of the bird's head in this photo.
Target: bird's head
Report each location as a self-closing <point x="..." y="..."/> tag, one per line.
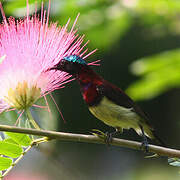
<point x="71" y="64"/>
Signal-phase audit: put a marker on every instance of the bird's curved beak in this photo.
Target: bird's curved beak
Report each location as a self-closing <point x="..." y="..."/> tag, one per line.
<point x="55" y="67"/>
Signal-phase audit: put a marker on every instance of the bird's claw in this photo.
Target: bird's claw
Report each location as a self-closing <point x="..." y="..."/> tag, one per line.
<point x="152" y="156"/>
<point x="98" y="133"/>
<point x="106" y="136"/>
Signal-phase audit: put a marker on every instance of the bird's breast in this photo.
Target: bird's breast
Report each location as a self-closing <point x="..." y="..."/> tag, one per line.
<point x="115" y="115"/>
<point x="90" y="94"/>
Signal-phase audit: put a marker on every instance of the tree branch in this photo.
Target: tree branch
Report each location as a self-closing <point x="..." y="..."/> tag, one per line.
<point x="162" y="151"/>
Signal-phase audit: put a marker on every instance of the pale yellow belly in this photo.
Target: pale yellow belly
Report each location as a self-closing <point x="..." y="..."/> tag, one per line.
<point x="116" y="116"/>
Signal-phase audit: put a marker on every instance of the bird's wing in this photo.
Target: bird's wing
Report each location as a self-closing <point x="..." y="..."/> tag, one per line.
<point x="117" y="96"/>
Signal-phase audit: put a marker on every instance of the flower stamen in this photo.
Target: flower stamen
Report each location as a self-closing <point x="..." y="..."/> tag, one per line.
<point x="23" y="96"/>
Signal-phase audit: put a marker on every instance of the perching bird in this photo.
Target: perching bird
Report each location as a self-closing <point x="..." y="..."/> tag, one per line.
<point x="105" y="101"/>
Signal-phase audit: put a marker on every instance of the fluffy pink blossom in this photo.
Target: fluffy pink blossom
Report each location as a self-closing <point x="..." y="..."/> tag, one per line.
<point x="28" y="48"/>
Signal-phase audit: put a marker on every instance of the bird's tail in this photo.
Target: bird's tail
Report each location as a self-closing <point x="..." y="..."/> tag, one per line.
<point x="151" y="133"/>
<point x="158" y="140"/>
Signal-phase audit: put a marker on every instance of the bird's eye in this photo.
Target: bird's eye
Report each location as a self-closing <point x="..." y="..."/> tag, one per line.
<point x="62" y="62"/>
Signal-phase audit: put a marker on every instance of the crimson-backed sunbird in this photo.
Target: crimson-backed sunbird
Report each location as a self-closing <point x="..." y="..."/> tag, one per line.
<point x="105" y="101"/>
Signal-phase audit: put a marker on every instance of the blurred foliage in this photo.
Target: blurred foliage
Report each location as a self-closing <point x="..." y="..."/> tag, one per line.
<point x="158" y="11"/>
<point x="158" y="73"/>
<point x="174" y="161"/>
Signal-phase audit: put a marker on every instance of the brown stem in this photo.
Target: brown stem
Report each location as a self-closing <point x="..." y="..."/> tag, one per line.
<point x="162" y="151"/>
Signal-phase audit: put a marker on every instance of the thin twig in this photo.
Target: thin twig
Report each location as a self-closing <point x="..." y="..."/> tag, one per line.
<point x="31" y="120"/>
<point x="162" y="151"/>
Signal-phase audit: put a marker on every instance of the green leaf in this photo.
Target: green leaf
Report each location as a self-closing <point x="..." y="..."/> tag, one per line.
<point x="10" y="140"/>
<point x="21" y="139"/>
<point x="9" y="149"/>
<point x="5" y="163"/>
<point x="158" y="74"/>
<point x="174" y="161"/>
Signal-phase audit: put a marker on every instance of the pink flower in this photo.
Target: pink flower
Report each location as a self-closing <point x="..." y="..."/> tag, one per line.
<point x="28" y="47"/>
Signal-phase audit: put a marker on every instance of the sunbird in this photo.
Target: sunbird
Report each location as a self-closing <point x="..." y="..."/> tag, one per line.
<point x="106" y="101"/>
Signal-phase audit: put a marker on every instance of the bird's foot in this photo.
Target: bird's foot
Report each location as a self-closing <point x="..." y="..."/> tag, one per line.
<point x="109" y="136"/>
<point x="106" y="136"/>
<point x="144" y="146"/>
